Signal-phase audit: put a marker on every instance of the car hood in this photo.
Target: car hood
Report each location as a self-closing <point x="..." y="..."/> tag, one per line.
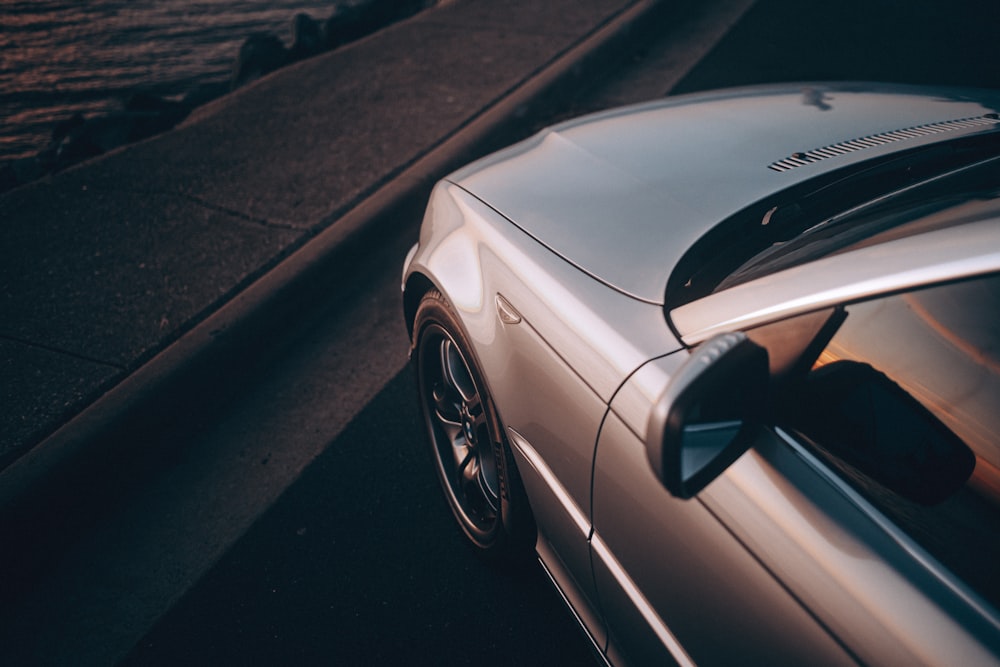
<point x="622" y="194"/>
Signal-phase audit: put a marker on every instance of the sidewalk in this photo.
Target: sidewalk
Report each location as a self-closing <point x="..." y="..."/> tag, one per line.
<point x="135" y="278"/>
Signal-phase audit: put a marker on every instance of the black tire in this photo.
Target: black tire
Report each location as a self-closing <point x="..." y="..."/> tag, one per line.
<point x="470" y="452"/>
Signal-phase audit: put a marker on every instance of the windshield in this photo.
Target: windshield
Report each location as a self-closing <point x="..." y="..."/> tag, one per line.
<point x="939" y="185"/>
<point x="964" y="195"/>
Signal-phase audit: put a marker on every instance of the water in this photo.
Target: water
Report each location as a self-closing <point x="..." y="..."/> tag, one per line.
<point x="59" y="57"/>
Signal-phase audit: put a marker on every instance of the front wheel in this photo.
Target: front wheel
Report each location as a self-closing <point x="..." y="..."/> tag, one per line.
<point x="469" y="450"/>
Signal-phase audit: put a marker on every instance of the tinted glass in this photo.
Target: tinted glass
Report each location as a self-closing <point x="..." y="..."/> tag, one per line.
<point x="840" y="210"/>
<point x="942" y="201"/>
<point x="904" y="401"/>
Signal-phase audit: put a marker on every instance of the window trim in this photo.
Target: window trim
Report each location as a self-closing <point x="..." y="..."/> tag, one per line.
<point x="961" y="590"/>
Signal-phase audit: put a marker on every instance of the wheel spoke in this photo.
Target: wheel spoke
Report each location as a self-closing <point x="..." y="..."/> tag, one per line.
<point x="446" y="408"/>
<point x="452" y="431"/>
<point x="475" y="409"/>
<point x="461" y="452"/>
<point x="472" y="478"/>
<point x="455" y="373"/>
<point x="467" y="469"/>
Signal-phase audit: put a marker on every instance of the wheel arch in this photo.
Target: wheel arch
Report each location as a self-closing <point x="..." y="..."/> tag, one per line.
<point x="416" y="286"/>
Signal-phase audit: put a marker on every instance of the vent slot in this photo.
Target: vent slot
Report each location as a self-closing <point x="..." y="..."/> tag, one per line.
<point x="861" y="143"/>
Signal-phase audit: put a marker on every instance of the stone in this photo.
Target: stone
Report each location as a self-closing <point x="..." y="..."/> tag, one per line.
<point x="204" y="93"/>
<point x="352" y="22"/>
<point x="261" y="53"/>
<point x="307" y="37"/>
<point x="143" y="101"/>
<point x="349" y="23"/>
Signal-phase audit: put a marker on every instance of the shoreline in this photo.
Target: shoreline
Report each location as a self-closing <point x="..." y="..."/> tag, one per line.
<point x="143" y="114"/>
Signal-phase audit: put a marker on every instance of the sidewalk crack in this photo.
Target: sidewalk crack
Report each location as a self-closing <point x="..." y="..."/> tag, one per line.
<point x="60" y="351"/>
<point x="242" y="216"/>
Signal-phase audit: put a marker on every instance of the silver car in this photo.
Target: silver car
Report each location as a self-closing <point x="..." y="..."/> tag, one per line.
<point x="729" y="365"/>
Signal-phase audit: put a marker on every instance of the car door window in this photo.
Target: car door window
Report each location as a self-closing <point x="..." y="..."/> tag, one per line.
<point x="901" y="397"/>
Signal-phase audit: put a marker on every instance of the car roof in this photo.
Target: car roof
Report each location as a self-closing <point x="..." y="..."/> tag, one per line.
<point x="624" y="194"/>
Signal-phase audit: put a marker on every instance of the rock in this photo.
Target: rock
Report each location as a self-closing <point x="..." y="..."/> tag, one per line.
<point x="307" y="37"/>
<point x="150" y="114"/>
<point x="204" y="93"/>
<point x="101" y="134"/>
<point x="77" y="138"/>
<point x="64" y="127"/>
<point x="350" y="23"/>
<point x="148" y="102"/>
<point x="94" y="137"/>
<point x="145" y="124"/>
<point x="261" y="53"/>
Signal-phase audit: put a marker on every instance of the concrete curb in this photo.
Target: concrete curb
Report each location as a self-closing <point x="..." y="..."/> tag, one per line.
<point x="72" y="462"/>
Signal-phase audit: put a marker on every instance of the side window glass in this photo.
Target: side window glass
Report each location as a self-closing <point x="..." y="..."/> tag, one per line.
<point x="858" y="414"/>
<point x="901" y="396"/>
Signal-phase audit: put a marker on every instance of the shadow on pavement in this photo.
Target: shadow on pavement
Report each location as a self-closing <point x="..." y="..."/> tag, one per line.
<point x="359" y="562"/>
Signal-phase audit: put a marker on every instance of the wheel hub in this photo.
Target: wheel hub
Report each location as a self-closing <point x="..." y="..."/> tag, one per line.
<point x="468" y="426"/>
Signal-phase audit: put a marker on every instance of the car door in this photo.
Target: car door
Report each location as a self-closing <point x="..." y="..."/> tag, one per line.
<point x="862" y="526"/>
<point x="675" y="585"/>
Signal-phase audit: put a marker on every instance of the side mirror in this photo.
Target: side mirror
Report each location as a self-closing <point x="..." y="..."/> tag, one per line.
<point x="708" y="414"/>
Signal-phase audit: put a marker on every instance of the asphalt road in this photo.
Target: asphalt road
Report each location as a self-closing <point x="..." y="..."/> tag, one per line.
<point x="298" y="520"/>
<point x="905" y="41"/>
<point x="358" y="563"/>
